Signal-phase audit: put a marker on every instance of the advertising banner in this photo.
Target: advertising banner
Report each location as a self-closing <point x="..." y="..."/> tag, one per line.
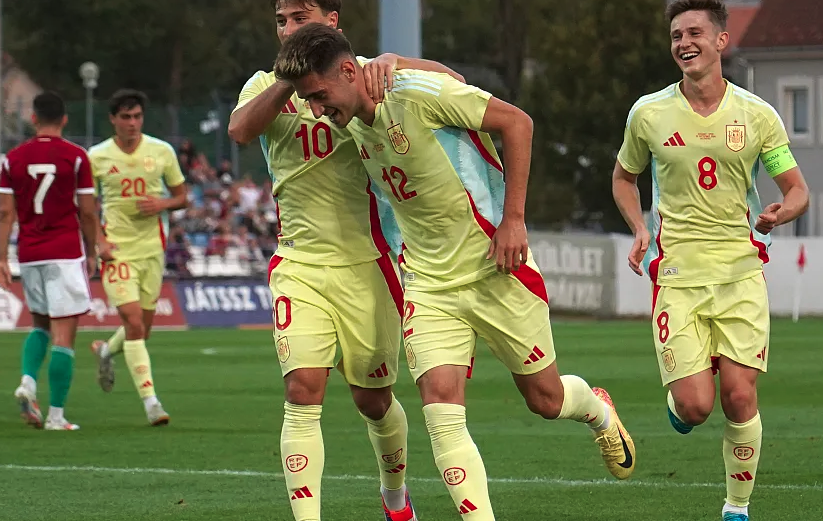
<point x="225" y="302"/>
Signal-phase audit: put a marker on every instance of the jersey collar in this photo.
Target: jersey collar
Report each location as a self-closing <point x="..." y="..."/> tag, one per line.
<point x="711" y="118"/>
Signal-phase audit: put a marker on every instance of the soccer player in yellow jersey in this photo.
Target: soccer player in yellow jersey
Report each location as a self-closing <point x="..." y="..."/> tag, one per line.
<point x="133" y="172"/>
<point x="704" y="138"/>
<point x="465" y="252"/>
<point x="332" y="279"/>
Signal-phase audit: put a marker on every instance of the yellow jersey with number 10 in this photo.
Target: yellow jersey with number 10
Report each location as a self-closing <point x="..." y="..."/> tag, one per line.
<point x="704" y="170"/>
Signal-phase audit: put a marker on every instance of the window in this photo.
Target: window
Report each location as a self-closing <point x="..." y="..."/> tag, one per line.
<point x="796" y="107"/>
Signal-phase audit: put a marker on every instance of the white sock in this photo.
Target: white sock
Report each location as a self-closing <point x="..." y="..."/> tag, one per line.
<point x="607" y="419"/>
<point x="395" y="499"/>
<point x="149" y="402"/>
<point x="104" y="350"/>
<point x="735" y="510"/>
<point x="55" y="413"/>
<point x="29" y="383"/>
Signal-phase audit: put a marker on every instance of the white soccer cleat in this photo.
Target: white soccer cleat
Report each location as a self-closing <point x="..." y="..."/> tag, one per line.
<point x="105" y="367"/>
<point x="157" y="416"/>
<point x="29" y="410"/>
<point x="60" y="424"/>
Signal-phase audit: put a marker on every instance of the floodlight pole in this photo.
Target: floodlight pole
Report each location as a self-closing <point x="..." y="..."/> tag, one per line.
<point x="89" y="73"/>
<point x="400" y="27"/>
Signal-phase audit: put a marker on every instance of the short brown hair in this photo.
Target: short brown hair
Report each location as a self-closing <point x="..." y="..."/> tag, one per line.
<point x="312" y="48"/>
<point x="326" y="6"/>
<point x="718" y="13"/>
<point x="127" y="99"/>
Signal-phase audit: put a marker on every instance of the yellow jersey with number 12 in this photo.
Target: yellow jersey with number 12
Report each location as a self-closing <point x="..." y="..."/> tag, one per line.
<point x="704" y="170"/>
<point x="123" y="179"/>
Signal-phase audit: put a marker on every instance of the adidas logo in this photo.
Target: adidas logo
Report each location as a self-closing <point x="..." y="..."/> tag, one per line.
<point x="289" y="108"/>
<point x="746" y="476"/>
<point x="762" y="354"/>
<point x="381" y="372"/>
<point x="146" y="384"/>
<point x="363" y="153"/>
<point x="396" y="470"/>
<point x="466" y="506"/>
<point x="536" y="355"/>
<point x="113" y="170"/>
<point x="675" y="141"/>
<point x="301" y="493"/>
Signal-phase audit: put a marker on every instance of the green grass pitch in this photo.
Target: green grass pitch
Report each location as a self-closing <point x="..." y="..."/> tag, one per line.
<point x="218" y="460"/>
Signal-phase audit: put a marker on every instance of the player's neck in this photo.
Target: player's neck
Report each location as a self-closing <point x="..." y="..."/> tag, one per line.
<point x="128" y="147"/>
<point x="368" y="108"/>
<point x="704" y="94"/>
<point x="49" y="132"/>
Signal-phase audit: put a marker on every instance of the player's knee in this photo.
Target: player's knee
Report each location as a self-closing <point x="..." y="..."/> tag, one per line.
<point x="134" y="328"/>
<point x="544" y="405"/>
<point x="373" y="403"/>
<point x="305" y="386"/>
<point x="695" y="412"/>
<point x="738" y="400"/>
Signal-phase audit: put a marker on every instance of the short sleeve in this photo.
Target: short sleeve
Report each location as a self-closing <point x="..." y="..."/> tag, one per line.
<point x="85" y="180"/>
<point x="5" y="177"/>
<point x="440" y="100"/>
<point x="634" y="153"/>
<point x="773" y="132"/>
<point x="172" y="174"/>
<point x="253" y="88"/>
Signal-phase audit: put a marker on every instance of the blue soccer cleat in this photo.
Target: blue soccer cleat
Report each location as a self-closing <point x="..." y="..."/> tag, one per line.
<point x="678" y="424"/>
<point x="734" y="516"/>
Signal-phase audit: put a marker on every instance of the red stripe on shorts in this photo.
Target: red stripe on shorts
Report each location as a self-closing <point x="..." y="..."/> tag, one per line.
<point x="392" y="281"/>
<point x="275" y="260"/>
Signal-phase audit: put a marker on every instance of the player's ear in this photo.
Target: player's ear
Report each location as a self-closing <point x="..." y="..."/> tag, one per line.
<point x="722" y="41"/>
<point x="333" y="18"/>
<point x="64" y="121"/>
<point x="34" y="119"/>
<point x="348" y="69"/>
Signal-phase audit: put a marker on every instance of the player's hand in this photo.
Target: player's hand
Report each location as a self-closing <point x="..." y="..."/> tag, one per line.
<point x="5" y="276"/>
<point x="638" y="251"/>
<point x="105" y="250"/>
<point x="510" y="246"/>
<point x="767" y="220"/>
<point x="151" y="205"/>
<point x="91" y="266"/>
<point x="379" y="75"/>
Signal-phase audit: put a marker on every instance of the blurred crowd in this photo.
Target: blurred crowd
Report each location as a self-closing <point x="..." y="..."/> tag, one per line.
<point x="224" y="215"/>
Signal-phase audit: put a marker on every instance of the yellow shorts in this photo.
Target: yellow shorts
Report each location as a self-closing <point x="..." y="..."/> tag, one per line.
<point x="134" y="281"/>
<point x="510" y="312"/>
<point x="693" y="325"/>
<point x="358" y="307"/>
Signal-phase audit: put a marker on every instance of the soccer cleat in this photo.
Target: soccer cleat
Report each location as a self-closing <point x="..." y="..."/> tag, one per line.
<point x="616" y="446"/>
<point x="407" y="514"/>
<point x="29" y="410"/>
<point x="157" y="416"/>
<point x="105" y="367"/>
<point x="60" y="424"/>
<point x="733" y="516"/>
<point x="679" y="426"/>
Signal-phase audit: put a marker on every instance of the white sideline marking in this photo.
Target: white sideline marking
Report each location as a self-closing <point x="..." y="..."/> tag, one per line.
<point x="348" y="477"/>
<point x="209" y="351"/>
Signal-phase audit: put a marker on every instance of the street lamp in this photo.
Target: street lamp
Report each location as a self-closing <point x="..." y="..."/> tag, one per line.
<point x="89" y="72"/>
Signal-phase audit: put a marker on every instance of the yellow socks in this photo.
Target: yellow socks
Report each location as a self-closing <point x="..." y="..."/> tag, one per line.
<point x="137" y="358"/>
<point x="741" y="453"/>
<point x="389" y="438"/>
<point x="115" y="343"/>
<point x="581" y="404"/>
<point x="458" y="460"/>
<point x="303" y="456"/>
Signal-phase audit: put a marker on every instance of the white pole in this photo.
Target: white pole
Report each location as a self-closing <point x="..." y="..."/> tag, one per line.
<point x="798" y="289"/>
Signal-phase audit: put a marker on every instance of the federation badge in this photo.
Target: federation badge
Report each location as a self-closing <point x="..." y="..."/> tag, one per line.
<point x="668" y="360"/>
<point x="743" y="453"/>
<point x="736" y="137"/>
<point x="391" y="459"/>
<point x="296" y="462"/>
<point x="399" y="141"/>
<point x="283" y="352"/>
<point x="410" y="358"/>
<point x="149" y="163"/>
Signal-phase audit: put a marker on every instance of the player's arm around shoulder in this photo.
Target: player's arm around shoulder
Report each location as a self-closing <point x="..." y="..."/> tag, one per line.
<point x="261" y="100"/>
<point x="379" y="72"/>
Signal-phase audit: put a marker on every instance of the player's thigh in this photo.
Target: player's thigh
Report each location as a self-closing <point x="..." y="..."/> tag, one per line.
<point x="34" y="289"/>
<point x="120" y="282"/>
<point x="682" y="333"/>
<point x="740" y="323"/>
<point x="434" y="334"/>
<point x="304" y="332"/>
<point x="511" y="315"/>
<point x="149" y="274"/>
<point x="67" y="289"/>
<point x="367" y="300"/>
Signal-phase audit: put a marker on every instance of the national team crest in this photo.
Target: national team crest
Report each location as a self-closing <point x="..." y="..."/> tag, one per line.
<point x="668" y="360"/>
<point x="410" y="358"/>
<point x="283" y="351"/>
<point x="149" y="164"/>
<point x="736" y="137"/>
<point x="399" y="141"/>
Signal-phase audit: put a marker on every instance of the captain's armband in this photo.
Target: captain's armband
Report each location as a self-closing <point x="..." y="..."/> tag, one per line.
<point x="778" y="161"/>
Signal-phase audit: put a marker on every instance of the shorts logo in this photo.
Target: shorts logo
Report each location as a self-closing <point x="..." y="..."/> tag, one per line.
<point x="296" y="462"/>
<point x="391" y="459"/>
<point x="410" y="358"/>
<point x="399" y="141"/>
<point x="149" y="164"/>
<point x="736" y="137"/>
<point x="454" y="476"/>
<point x="669" y="271"/>
<point x="283" y="352"/>
<point x="668" y="360"/>
<point x="743" y="453"/>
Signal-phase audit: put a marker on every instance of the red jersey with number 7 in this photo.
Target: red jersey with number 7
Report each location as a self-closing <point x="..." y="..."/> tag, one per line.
<point x="44" y="174"/>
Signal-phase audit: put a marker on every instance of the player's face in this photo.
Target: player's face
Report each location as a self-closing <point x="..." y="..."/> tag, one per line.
<point x="333" y="94"/>
<point x="128" y="123"/>
<point x="697" y="42"/>
<point x="292" y="15"/>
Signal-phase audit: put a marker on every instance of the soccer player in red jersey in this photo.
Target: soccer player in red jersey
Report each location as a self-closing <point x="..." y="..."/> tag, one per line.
<point x="48" y="181"/>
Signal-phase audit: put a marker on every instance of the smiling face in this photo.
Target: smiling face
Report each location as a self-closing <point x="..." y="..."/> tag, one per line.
<point x="697" y="43"/>
<point x="333" y="94"/>
<point x="294" y="14"/>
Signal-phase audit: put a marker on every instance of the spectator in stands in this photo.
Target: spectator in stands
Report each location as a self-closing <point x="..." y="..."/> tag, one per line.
<point x="178" y="253"/>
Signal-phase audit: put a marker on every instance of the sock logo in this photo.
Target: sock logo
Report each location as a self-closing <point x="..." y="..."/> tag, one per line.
<point x="393" y="458"/>
<point x="746" y="476"/>
<point x="454" y="476"/>
<point x="147" y="384"/>
<point x="396" y="470"/>
<point x="380" y="372"/>
<point x="141" y="369"/>
<point x="743" y="453"/>
<point x="296" y="462"/>
<point x="536" y="355"/>
<point x="301" y="493"/>
<point x="466" y="506"/>
<point x="586" y="419"/>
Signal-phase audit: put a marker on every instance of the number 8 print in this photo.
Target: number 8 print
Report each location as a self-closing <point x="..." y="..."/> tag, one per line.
<point x="708" y="173"/>
<point x="663" y="327"/>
